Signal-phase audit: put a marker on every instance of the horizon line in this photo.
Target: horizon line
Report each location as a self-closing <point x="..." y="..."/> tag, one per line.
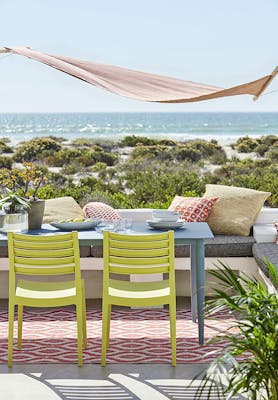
<point x="136" y="112"/>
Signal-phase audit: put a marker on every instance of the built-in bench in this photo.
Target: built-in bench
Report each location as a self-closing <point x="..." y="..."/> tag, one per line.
<point x="241" y="253"/>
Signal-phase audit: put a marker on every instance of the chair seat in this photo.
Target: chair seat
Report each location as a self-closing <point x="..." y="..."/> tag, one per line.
<point x="138" y="290"/>
<point x="45" y="290"/>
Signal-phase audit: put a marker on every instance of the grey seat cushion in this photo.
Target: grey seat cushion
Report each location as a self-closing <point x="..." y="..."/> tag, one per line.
<point x="223" y="246"/>
<point x="219" y="246"/>
<point x="268" y="250"/>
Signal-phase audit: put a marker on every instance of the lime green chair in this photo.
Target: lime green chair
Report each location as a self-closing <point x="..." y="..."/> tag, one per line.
<point x="44" y="256"/>
<point x="142" y="254"/>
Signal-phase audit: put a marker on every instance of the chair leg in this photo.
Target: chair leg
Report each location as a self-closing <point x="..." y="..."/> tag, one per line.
<point x="172" y="311"/>
<point x="11" y="334"/>
<point x="108" y="325"/>
<point x="105" y="323"/>
<point x="19" y="325"/>
<point x="79" y="317"/>
<point x="84" y="320"/>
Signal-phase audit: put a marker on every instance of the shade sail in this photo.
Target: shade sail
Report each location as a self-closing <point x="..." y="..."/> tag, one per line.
<point x="141" y="85"/>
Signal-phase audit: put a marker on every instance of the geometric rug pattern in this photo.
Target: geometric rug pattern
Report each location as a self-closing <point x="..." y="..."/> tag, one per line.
<point x="137" y="336"/>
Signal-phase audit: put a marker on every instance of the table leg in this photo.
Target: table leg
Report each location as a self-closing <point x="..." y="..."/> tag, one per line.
<point x="193" y="281"/>
<point x="200" y="284"/>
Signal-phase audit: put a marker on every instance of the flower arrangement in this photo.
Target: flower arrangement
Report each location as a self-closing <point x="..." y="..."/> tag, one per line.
<point x="22" y="182"/>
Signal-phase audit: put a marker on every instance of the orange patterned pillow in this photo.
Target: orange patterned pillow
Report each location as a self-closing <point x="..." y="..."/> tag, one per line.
<point x="100" y="210"/>
<point x="192" y="209"/>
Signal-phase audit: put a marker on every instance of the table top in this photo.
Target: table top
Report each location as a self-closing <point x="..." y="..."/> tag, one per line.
<point x="192" y="231"/>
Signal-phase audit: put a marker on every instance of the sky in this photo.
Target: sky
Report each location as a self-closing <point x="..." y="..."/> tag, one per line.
<point x="217" y="42"/>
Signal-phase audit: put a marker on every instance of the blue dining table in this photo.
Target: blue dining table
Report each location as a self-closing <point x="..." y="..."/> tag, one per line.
<point x="193" y="234"/>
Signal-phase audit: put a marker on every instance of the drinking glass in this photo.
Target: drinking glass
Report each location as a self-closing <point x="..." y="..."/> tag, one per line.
<point x="128" y="224"/>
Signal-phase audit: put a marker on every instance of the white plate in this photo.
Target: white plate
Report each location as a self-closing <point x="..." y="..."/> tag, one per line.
<point x="165" y="224"/>
<point x="165" y="219"/>
<point x="76" y="226"/>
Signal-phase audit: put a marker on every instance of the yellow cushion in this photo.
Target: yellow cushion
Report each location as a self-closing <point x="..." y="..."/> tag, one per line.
<point x="61" y="208"/>
<point x="236" y="209"/>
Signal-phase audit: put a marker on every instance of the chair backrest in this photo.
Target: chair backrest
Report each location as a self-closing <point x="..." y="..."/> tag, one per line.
<point x="44" y="255"/>
<point x="138" y="254"/>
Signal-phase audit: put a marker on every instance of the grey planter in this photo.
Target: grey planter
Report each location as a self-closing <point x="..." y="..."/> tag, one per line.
<point x="35" y="214"/>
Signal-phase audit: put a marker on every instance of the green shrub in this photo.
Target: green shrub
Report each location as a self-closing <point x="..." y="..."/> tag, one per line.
<point x="81" y="157"/>
<point x="261" y="149"/>
<point x="253" y="174"/>
<point x="272" y="153"/>
<point x="168" y="142"/>
<point x="106" y="145"/>
<point x="36" y="149"/>
<point x="132" y="141"/>
<point x="99" y="166"/>
<point x="246" y="144"/>
<point x="269" y="140"/>
<point x="192" y="151"/>
<point x="4" y="148"/>
<point x="259" y="146"/>
<point x="6" y="162"/>
<point x="71" y="169"/>
<point x="64" y="156"/>
<point x="150" y="152"/>
<point x="5" y="139"/>
<point x="148" y="183"/>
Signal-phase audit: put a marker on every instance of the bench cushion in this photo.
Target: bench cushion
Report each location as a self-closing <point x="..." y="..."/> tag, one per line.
<point x="236" y="209"/>
<point x="96" y="209"/>
<point x="220" y="246"/>
<point x="268" y="250"/>
<point x="61" y="208"/>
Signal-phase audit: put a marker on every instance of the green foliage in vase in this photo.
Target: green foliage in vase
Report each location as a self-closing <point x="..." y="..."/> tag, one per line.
<point x="249" y="362"/>
<point x="13" y="202"/>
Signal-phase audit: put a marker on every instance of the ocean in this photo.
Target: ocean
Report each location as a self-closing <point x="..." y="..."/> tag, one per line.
<point x="225" y="127"/>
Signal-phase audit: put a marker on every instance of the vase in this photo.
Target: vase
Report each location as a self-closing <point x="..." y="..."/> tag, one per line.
<point x="14" y="222"/>
<point x="35" y="214"/>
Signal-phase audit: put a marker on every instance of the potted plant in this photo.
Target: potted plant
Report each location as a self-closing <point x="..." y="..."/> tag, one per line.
<point x="249" y="363"/>
<point x="15" y="216"/>
<point x="25" y="182"/>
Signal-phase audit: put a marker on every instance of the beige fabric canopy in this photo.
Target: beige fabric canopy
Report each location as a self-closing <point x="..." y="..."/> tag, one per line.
<point x="141" y="85"/>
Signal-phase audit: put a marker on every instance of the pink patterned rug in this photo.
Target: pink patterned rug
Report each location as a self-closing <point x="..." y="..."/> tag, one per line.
<point x="137" y="336"/>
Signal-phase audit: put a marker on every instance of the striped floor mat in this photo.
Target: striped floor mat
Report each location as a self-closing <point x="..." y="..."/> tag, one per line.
<point x="137" y="336"/>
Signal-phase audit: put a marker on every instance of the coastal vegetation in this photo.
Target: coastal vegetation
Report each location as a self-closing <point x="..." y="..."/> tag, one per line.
<point x="143" y="172"/>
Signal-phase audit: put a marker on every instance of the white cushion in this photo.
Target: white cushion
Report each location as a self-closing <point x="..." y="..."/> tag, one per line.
<point x="267" y="216"/>
<point x="264" y="233"/>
